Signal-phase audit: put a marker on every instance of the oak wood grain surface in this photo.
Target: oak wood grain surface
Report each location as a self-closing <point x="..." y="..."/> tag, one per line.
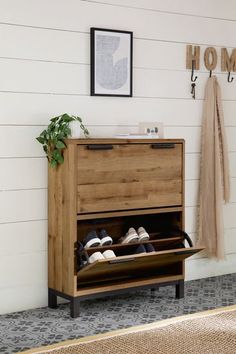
<point x="134" y="263"/>
<point x="129" y="176"/>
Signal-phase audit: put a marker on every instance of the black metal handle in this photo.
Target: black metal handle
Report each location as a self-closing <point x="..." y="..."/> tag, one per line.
<point x="163" y="146"/>
<point x="100" y="147"/>
<point x="185" y="252"/>
<point x="187" y="238"/>
<point x="115" y="261"/>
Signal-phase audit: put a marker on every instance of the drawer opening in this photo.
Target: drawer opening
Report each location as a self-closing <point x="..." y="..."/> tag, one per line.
<point x="164" y="230"/>
<point x="158" y="226"/>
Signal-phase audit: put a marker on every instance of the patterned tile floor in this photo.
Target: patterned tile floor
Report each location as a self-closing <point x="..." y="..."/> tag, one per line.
<point x="34" y="328"/>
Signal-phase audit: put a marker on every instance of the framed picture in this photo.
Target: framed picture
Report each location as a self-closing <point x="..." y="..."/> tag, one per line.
<point x="111" y="62"/>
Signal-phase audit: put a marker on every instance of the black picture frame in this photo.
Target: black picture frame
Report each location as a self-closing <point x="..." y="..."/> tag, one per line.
<point x="100" y="83"/>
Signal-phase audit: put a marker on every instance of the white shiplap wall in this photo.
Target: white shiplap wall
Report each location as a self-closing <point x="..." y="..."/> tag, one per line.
<point x="44" y="71"/>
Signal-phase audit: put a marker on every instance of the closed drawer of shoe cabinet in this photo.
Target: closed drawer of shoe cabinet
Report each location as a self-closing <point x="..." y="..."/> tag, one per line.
<point x="129" y="176"/>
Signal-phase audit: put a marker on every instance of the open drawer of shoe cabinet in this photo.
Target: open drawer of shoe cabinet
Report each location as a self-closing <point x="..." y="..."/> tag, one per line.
<point x="129" y="176"/>
<point x="167" y="262"/>
<point x="165" y="236"/>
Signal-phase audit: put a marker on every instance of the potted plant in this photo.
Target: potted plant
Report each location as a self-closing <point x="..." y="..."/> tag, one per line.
<point x="53" y="138"/>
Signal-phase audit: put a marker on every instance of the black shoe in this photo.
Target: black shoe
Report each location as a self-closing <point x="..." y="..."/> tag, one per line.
<point x="149" y="248"/>
<point x="80" y="256"/>
<point x="92" y="240"/>
<point x="106" y="240"/>
<point x="140" y="249"/>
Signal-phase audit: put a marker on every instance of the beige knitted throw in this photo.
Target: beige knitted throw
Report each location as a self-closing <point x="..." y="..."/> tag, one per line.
<point x="214" y="173"/>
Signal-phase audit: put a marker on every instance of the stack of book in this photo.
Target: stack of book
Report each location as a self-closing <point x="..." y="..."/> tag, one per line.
<point x="137" y="136"/>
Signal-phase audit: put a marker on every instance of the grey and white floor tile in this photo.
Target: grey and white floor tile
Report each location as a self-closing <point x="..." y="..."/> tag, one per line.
<point x="35" y="328"/>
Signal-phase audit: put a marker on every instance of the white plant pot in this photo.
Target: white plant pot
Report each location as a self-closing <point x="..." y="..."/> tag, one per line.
<point x="75" y="129"/>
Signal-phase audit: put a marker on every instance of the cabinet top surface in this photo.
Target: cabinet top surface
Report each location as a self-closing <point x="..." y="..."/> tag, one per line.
<point x="121" y="141"/>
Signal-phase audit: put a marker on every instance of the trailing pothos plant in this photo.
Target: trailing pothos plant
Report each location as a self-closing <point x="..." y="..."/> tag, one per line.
<point x="53" y="138"/>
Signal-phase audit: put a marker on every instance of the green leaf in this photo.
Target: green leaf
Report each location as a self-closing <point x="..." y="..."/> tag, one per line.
<point x="66" y="117"/>
<point x="41" y="140"/>
<point x="54" y="119"/>
<point x="55" y="154"/>
<point x="53" y="163"/>
<point x="60" y="145"/>
<point x="60" y="159"/>
<point x="45" y="148"/>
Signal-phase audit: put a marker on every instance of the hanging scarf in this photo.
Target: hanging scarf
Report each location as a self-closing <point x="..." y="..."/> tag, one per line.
<point x="214" y="173"/>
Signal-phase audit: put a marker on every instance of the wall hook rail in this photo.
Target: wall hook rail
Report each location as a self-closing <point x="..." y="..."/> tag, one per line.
<point x="230" y="79"/>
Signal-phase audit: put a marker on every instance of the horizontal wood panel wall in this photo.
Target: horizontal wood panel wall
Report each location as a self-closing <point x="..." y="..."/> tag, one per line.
<point x="44" y="68"/>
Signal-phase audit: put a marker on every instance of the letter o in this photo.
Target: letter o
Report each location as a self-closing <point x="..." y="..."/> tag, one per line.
<point x="210" y="58"/>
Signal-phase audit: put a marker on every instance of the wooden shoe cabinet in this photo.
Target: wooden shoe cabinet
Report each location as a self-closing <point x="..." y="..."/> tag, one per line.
<point x="116" y="184"/>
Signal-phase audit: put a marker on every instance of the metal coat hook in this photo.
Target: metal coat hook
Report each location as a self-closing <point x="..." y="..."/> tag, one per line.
<point x="230" y="79"/>
<point x="210" y="73"/>
<point x="193" y="79"/>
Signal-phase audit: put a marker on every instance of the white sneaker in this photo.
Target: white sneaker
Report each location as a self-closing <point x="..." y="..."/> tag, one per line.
<point x="142" y="234"/>
<point x="130" y="237"/>
<point x="109" y="254"/>
<point x="95" y="257"/>
<point x="98" y="255"/>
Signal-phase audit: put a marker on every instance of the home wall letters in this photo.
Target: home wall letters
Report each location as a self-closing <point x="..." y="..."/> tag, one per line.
<point x="228" y="61"/>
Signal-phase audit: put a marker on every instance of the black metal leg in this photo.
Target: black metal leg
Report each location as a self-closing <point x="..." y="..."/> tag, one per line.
<point x="52" y="299"/>
<point x="74" y="307"/>
<point x="180" y="289"/>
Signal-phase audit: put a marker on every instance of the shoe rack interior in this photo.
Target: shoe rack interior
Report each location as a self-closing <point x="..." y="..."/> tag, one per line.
<point x="115" y="184"/>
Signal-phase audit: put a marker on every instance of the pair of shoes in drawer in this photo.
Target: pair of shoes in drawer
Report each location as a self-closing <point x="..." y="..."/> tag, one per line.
<point x="133" y="237"/>
<point x="148" y="248"/>
<point x="108" y="254"/>
<point x="94" y="240"/>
